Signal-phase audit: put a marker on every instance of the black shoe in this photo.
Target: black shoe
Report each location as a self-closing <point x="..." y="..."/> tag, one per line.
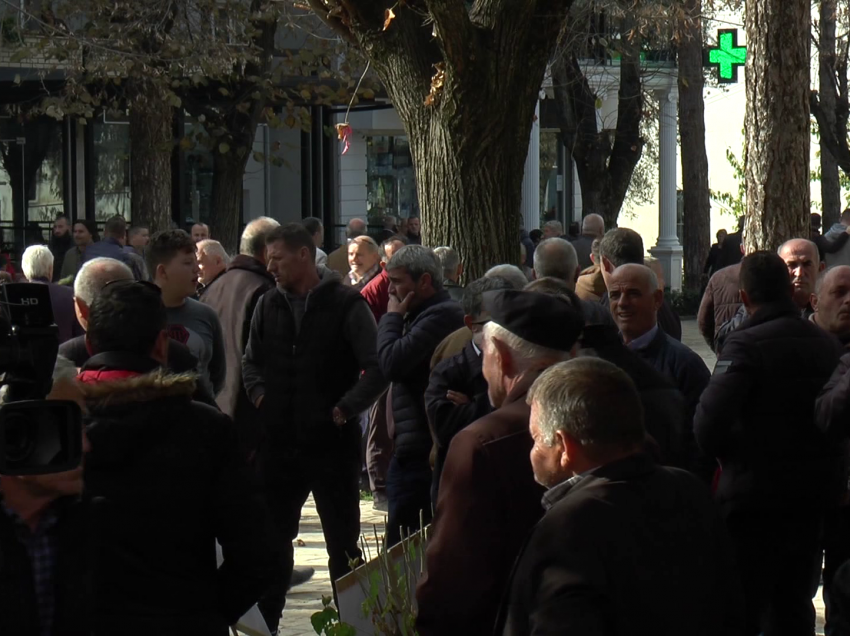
<point x="300" y="576"/>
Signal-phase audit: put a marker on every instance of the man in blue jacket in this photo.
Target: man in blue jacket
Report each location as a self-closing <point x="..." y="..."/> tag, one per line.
<point x="419" y="315"/>
<point x="112" y="246"/>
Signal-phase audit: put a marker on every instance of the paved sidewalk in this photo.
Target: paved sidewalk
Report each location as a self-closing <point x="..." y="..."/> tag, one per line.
<point x="305" y="600"/>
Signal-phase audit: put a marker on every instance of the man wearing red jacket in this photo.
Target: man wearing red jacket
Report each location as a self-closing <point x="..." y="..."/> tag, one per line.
<point x="377" y="291"/>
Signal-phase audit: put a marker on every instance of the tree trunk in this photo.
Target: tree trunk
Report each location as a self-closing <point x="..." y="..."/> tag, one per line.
<point x="697" y="218"/>
<point x="777" y="122"/>
<point x="226" y="202"/>
<point x="464" y="79"/>
<point x="830" y="185"/>
<point x="151" y="142"/>
<point x="604" y="169"/>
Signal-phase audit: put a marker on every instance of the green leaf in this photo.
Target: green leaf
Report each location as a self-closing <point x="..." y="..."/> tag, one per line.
<point x="224" y="147"/>
<point x="20" y="55"/>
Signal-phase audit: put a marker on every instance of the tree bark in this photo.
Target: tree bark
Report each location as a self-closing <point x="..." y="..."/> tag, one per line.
<point x="697" y="199"/>
<point x="480" y="69"/>
<point x="830" y="184"/>
<point x="604" y="169"/>
<point x="151" y="142"/>
<point x="226" y="201"/>
<point x="777" y="122"/>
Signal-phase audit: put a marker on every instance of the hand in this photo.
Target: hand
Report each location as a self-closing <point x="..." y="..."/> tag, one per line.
<point x="396" y="306"/>
<point x="339" y="418"/>
<point x="259" y="400"/>
<point x="458" y="399"/>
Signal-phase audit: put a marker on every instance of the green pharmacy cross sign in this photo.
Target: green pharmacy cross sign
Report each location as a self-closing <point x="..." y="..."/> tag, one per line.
<point x="727" y="56"/>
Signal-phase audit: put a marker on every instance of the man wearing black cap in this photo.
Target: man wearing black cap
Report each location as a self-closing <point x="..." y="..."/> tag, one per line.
<point x="488" y="499"/>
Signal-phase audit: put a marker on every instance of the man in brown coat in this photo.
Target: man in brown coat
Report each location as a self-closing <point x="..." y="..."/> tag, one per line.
<point x="720" y="302"/>
<point x="234" y="297"/>
<point x="488" y="499"/>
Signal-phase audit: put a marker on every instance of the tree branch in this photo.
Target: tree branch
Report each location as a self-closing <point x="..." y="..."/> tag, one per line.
<point x="454" y="31"/>
<point x="333" y="21"/>
<point x="829" y="136"/>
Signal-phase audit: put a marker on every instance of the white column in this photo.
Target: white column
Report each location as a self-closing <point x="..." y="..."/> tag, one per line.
<point x="668" y="250"/>
<point x="531" y="178"/>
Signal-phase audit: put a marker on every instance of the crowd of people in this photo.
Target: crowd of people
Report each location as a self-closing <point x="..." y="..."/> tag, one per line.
<point x="581" y="469"/>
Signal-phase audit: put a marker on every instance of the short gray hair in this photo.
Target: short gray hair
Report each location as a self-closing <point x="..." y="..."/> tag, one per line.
<point x="95" y="274"/>
<point x="213" y="248"/>
<point x="449" y="259"/>
<point x="528" y="355"/>
<point x="254" y="236"/>
<point x="554" y="225"/>
<point x="37" y="262"/>
<point x="556" y="258"/>
<point x="418" y="260"/>
<point x="511" y="273"/>
<point x="593" y="402"/>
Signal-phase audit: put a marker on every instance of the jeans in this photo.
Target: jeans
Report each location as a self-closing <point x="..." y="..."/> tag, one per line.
<point x="408" y="495"/>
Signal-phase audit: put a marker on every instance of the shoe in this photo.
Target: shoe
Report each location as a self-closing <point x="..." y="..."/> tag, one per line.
<point x="300" y="576"/>
<point x="379" y="502"/>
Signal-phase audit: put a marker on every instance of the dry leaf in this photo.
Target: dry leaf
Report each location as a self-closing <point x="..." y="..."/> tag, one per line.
<point x="389" y="16"/>
<point x="437" y="82"/>
<point x="300" y="543"/>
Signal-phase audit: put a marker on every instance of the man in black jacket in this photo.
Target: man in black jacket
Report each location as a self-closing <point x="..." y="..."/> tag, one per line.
<point x="623" y="246"/>
<point x="457" y="390"/>
<point x="310" y="368"/>
<point x="779" y="471"/>
<point x="625" y="546"/>
<point x="167" y="482"/>
<point x="234" y="297"/>
<point x="419" y="315"/>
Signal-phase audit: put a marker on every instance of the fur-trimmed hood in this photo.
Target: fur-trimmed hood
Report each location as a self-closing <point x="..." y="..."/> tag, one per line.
<point x="103" y="389"/>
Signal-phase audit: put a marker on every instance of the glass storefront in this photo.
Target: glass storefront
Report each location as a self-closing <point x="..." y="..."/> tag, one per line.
<point x="111" y="169"/>
<point x="391" y="183"/>
<point x="197" y="176"/>
<point x="551" y="182"/>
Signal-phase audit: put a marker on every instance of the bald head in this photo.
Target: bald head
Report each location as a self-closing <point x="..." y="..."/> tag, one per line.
<point x="831" y="302"/>
<point x="93" y="277"/>
<point x="593" y="225"/>
<point x="803" y="262"/>
<point x="356" y="227"/>
<point x="253" y="241"/>
<point x="634" y="300"/>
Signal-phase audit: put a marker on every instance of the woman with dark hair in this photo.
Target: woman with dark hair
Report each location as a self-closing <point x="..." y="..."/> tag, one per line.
<point x="85" y="233"/>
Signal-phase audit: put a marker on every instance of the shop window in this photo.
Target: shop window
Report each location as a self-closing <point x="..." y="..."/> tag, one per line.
<point x="112" y="168"/>
<point x="391" y="183"/>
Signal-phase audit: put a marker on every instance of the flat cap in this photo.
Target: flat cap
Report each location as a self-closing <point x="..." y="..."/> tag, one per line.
<point x="542" y="319"/>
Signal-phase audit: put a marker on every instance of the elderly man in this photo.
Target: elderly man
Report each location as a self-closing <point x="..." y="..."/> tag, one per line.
<point x="635" y="301"/>
<point x="419" y="315"/>
<point x="804" y="265"/>
<point x="338" y="259"/>
<point x="831" y="302"/>
<point x="592" y="228"/>
<point x="452" y="271"/>
<point x="377" y="291"/>
<point x="212" y="262"/>
<point x="487" y="483"/>
<point x="556" y="258"/>
<point x="364" y="259"/>
<point x="200" y="232"/>
<point x="625" y="546"/>
<point x="37" y="263"/>
<point x="457" y="391"/>
<point x="623" y="246"/>
<point x="757" y="417"/>
<point x="553" y="229"/>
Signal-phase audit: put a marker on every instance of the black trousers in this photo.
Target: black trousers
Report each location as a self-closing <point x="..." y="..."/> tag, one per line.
<point x="836" y="551"/>
<point x="332" y="474"/>
<point x="408" y="497"/>
<point x="778" y="554"/>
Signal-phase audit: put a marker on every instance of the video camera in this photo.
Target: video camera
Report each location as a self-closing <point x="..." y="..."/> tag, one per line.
<point x="36" y="436"/>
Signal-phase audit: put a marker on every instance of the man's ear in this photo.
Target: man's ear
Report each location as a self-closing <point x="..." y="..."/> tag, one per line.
<point x="822" y="266"/>
<point x="504" y="358"/>
<point x="160" y="272"/>
<point x="567" y="447"/>
<point x="82" y="311"/>
<point x="160" y="348"/>
<point x="658" y="296"/>
<point x="813" y="299"/>
<point x="607" y="265"/>
<point x="425" y="281"/>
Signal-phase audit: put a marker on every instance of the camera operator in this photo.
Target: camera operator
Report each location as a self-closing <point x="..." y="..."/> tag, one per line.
<point x="167" y="479"/>
<point x="44" y="568"/>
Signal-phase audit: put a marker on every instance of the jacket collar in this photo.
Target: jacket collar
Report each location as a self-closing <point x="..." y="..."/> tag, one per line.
<point x="622" y="469"/>
<point x="772" y="311"/>
<point x="521" y="389"/>
<point x="250" y="264"/>
<point x="440" y="297"/>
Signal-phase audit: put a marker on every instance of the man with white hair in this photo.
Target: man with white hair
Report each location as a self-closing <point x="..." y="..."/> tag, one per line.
<point x="37" y="263"/>
<point x="553" y="229"/>
<point x="212" y="262"/>
<point x="488" y="500"/>
<point x="510" y="272"/>
<point x="338" y="259"/>
<point x="556" y="258"/>
<point x="452" y="271"/>
<point x="592" y="228"/>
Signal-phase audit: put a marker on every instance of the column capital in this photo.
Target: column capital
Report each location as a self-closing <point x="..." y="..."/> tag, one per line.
<point x="670" y="95"/>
